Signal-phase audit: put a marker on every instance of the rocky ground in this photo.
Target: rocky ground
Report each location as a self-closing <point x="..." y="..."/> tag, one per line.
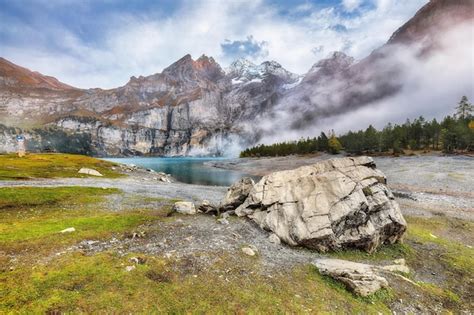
<point x="437" y="202"/>
<point x="425" y="185"/>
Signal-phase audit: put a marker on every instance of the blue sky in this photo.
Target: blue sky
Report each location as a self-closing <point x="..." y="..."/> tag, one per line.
<point x="102" y="43"/>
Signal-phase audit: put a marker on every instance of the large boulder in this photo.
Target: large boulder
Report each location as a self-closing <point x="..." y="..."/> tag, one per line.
<point x="337" y="203"/>
<point x="237" y="193"/>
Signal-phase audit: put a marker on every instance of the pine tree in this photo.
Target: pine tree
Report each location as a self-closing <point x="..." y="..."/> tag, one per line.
<point x="464" y="109"/>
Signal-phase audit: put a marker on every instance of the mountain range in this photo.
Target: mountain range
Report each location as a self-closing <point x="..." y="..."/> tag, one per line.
<point x="195" y="107"/>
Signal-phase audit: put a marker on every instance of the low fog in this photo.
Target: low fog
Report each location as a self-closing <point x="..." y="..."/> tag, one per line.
<point x="428" y="83"/>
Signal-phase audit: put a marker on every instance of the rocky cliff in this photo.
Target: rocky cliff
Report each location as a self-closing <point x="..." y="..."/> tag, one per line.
<point x="194" y="107"/>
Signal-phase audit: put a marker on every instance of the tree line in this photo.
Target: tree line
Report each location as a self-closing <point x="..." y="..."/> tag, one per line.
<point x="451" y="134"/>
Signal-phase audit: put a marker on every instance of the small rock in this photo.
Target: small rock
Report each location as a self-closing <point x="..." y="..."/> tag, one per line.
<point x="397" y="268"/>
<point x="248" y="251"/>
<point x="184" y="207"/>
<point x="129" y="268"/>
<point x="400" y="261"/>
<point x="68" y="230"/>
<point x="89" y="171"/>
<point x="223" y="221"/>
<point x="138" y="260"/>
<point x="253" y="247"/>
<point x="274" y="239"/>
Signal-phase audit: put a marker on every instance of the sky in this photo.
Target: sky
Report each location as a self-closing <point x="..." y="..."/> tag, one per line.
<point x="102" y="43"/>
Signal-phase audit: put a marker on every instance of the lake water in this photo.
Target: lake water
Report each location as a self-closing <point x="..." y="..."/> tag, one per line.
<point x="186" y="169"/>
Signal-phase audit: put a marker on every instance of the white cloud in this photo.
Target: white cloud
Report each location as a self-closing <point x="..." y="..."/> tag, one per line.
<point x="351" y="5"/>
<point x="145" y="44"/>
<point x="428" y="89"/>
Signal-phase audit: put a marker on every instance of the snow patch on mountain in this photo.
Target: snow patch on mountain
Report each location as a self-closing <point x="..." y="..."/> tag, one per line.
<point x="245" y="71"/>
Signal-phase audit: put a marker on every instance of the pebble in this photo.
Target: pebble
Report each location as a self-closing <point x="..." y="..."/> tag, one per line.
<point x="248" y="251"/>
<point x="223" y="221"/>
<point x="68" y="230"/>
<point x="129" y="268"/>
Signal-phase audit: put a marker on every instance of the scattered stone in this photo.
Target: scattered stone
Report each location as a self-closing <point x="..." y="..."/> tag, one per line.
<point x="358" y="278"/>
<point x="129" y="268"/>
<point x="400" y="261"/>
<point x="184" y="207"/>
<point x="337" y="203"/>
<point x="223" y="221"/>
<point x="135" y="235"/>
<point x="253" y="247"/>
<point x="227" y="214"/>
<point x="89" y="171"/>
<point x="237" y="193"/>
<point x="397" y="268"/>
<point x="248" y="251"/>
<point x="68" y="230"/>
<point x="138" y="260"/>
<point x="274" y="239"/>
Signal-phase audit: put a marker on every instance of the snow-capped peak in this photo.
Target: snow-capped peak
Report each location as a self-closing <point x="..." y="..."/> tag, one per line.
<point x="244" y="71"/>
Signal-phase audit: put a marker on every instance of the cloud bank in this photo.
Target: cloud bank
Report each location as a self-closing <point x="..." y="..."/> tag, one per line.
<point x="101" y="44"/>
<point x="431" y="85"/>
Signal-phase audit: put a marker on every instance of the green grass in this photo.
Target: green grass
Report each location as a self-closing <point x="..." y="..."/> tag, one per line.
<point x="457" y="255"/>
<point x="386" y="252"/>
<point x="99" y="283"/>
<point x="32" y="217"/>
<point x="76" y="282"/>
<point x="52" y="165"/>
<point x="24" y="197"/>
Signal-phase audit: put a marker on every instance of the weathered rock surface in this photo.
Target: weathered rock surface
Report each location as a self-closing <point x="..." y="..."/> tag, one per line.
<point x="90" y="171"/>
<point x="184" y="207"/>
<point x="237" y="193"/>
<point x="358" y="278"/>
<point x="338" y="203"/>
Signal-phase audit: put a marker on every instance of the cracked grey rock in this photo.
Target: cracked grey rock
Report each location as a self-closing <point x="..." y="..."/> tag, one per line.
<point x="358" y="278"/>
<point x="333" y="204"/>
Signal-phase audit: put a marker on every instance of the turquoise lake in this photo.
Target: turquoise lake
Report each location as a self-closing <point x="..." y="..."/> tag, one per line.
<point x="186" y="169"/>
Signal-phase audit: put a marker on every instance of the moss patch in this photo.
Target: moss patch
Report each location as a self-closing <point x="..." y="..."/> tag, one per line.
<point x="52" y="166"/>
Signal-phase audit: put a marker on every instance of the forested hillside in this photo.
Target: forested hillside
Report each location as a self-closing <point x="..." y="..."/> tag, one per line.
<point x="453" y="133"/>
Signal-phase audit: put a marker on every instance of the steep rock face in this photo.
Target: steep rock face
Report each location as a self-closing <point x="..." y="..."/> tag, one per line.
<point x="339" y="203"/>
<point x="192" y="107"/>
